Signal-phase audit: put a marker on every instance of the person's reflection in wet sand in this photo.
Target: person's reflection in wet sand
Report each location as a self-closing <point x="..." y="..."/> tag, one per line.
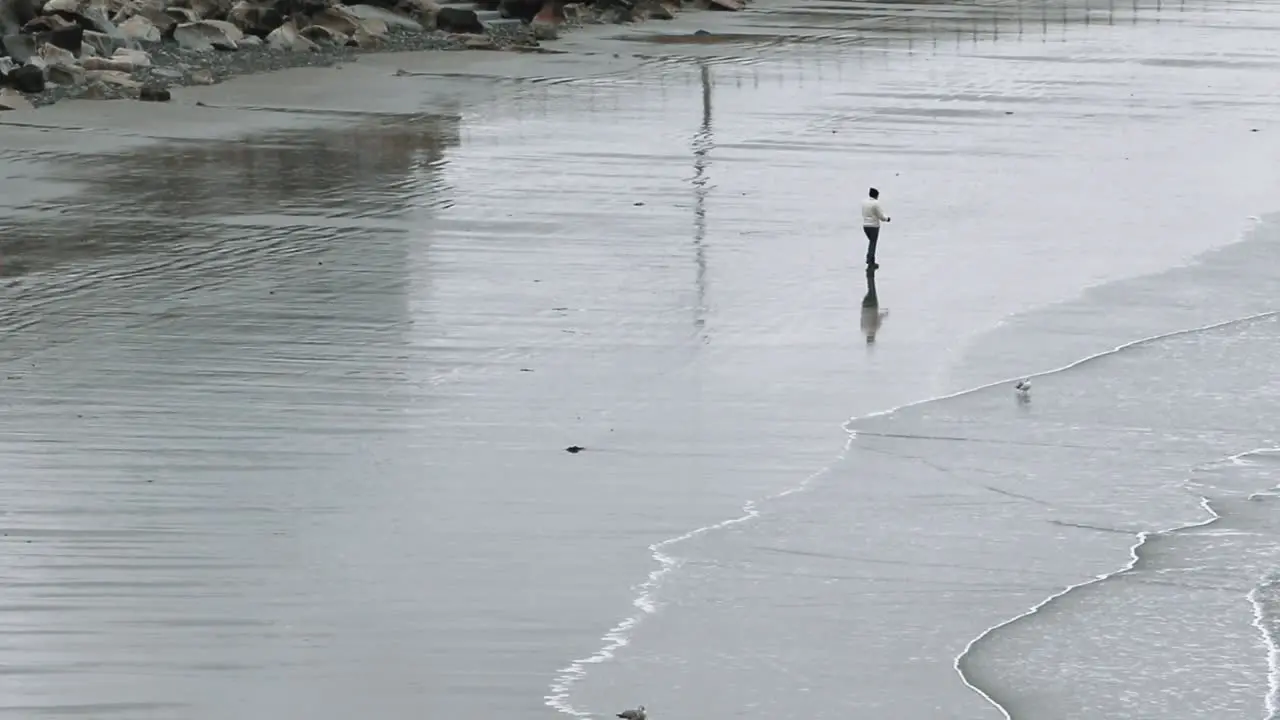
<point x="872" y="315"/>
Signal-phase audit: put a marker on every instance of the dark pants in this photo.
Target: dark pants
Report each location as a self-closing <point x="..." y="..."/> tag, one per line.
<point x="873" y="234"/>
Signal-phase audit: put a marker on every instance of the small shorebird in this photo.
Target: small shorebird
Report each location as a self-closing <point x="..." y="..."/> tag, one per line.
<point x="1023" y="389"/>
<point x="637" y="714"/>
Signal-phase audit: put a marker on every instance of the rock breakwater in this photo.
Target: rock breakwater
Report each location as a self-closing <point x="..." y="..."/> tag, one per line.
<point x="137" y="49"/>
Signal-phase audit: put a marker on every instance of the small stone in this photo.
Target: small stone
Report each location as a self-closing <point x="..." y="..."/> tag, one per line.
<point x="101" y="44"/>
<point x="575" y="449"/>
<point x="659" y="11"/>
<point x="287" y="37"/>
<point x="183" y="16"/>
<point x="366" y="40"/>
<point x="322" y="35"/>
<point x="114" y="78"/>
<point x="65" y="74"/>
<point x="478" y="42"/>
<point x="11" y="99"/>
<point x="28" y="79"/>
<point x="153" y="93"/>
<point x="107" y="64"/>
<point x="203" y="77"/>
<point x="70" y="39"/>
<point x="52" y="54"/>
<point x="545" y="30"/>
<point x="232" y="33"/>
<point x="458" y="20"/>
<point x="96" y="91"/>
<point x="20" y="47"/>
<point x="206" y="35"/>
<point x="136" y="58"/>
<point x="140" y="28"/>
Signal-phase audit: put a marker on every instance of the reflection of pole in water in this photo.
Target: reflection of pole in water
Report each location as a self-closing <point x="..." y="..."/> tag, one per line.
<point x="702" y="144"/>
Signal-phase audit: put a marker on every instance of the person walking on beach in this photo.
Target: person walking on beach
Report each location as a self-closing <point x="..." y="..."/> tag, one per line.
<point x="872" y="216"/>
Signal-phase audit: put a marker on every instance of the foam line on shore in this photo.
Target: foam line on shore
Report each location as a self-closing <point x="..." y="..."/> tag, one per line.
<point x="1135" y="556"/>
<point x="645" y="603"/>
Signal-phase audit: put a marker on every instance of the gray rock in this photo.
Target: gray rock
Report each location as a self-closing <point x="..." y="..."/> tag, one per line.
<point x="205" y="35"/>
<point x="389" y="17"/>
<point x="28" y="79"/>
<point x="139" y="28"/>
<point x="182" y="15"/>
<point x="16" y="13"/>
<point x="25" y="46"/>
<point x="13" y="100"/>
<point x="255" y="17"/>
<point x="322" y="35"/>
<point x="458" y="20"/>
<point x="7" y="65"/>
<point x="101" y="63"/>
<point x="65" y="6"/>
<point x="54" y="55"/>
<point x="70" y="39"/>
<point x="521" y="9"/>
<point x="337" y="18"/>
<point x="153" y="93"/>
<point x="210" y="9"/>
<point x="137" y="58"/>
<point x="102" y="44"/>
<point x="115" y="78"/>
<point x="544" y="30"/>
<point x="96" y="17"/>
<point x="123" y="60"/>
<point x="424" y="11"/>
<point x="287" y="37"/>
<point x="61" y="74"/>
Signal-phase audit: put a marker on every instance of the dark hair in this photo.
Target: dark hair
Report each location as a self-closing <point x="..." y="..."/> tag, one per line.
<point x="875" y="193"/>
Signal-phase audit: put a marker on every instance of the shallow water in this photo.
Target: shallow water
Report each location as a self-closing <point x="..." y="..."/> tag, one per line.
<point x="284" y="414"/>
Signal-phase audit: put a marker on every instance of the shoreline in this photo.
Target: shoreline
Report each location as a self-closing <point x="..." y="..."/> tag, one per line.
<point x="440" y="280"/>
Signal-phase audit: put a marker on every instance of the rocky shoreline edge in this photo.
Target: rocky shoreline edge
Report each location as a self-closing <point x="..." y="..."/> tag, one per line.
<point x="138" y="49"/>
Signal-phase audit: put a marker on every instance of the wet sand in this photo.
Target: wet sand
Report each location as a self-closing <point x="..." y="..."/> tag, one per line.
<point x="287" y="390"/>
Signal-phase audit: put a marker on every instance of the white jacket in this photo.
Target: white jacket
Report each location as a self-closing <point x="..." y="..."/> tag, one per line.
<point x="872" y="213"/>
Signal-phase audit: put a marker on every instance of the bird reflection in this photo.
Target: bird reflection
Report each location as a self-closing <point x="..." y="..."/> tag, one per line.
<point x="872" y="315"/>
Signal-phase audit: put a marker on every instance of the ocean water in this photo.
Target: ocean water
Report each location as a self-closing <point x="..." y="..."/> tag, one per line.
<point x="1105" y="549"/>
<point x="284" y="413"/>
